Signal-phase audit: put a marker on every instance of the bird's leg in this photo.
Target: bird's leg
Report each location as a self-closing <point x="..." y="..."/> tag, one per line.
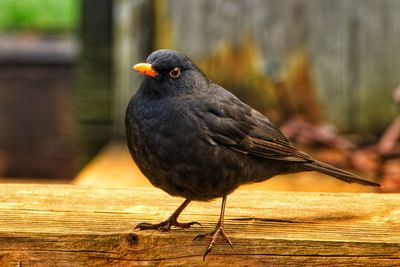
<point x="219" y="230"/>
<point x="171" y="221"/>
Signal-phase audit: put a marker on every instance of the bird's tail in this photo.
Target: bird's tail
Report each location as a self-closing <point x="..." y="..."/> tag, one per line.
<point x="339" y="174"/>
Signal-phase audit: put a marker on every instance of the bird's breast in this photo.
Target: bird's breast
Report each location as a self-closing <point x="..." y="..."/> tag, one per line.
<point x="170" y="149"/>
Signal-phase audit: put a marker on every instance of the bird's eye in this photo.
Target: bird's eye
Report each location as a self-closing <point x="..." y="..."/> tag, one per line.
<point x="175" y="72"/>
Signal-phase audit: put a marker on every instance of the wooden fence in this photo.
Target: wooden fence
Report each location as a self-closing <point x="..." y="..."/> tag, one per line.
<point x="348" y="49"/>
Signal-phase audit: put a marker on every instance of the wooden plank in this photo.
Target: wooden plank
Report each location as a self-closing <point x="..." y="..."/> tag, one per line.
<point x="25" y="180"/>
<point x="114" y="167"/>
<point x="63" y="225"/>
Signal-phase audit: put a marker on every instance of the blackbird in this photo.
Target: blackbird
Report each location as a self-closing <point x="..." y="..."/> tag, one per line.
<point x="194" y="139"/>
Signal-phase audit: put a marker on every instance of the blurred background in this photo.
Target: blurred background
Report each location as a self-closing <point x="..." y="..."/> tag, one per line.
<point x="325" y="71"/>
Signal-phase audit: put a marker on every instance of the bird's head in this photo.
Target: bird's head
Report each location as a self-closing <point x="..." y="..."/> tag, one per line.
<point x="170" y="72"/>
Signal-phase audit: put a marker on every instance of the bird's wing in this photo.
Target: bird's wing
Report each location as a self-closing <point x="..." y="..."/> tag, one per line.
<point x="228" y="121"/>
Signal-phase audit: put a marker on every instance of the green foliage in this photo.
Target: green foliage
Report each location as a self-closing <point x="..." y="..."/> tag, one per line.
<point x="39" y="15"/>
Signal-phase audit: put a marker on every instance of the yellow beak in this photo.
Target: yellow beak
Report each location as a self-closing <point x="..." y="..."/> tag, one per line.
<point x="146" y="69"/>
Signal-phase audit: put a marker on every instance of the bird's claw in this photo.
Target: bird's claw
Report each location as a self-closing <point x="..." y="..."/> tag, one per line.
<point x="165" y="225"/>
<point x="186" y="225"/>
<point x="219" y="230"/>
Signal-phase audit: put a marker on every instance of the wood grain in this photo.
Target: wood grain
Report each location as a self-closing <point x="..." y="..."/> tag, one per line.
<point x="64" y="225"/>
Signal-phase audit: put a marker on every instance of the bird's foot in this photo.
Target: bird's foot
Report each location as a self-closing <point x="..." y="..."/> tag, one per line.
<point x="165" y="225"/>
<point x="219" y="230"/>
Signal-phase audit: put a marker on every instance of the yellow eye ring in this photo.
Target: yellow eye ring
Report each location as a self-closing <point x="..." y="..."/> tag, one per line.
<point x="175" y="72"/>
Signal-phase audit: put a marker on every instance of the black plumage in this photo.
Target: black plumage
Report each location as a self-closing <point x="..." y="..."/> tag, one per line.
<point x="194" y="139"/>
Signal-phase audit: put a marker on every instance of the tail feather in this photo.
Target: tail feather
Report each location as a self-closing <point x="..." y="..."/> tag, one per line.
<point x="339" y="174"/>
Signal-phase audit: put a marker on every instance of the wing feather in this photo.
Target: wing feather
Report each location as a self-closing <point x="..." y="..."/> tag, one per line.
<point x="231" y="123"/>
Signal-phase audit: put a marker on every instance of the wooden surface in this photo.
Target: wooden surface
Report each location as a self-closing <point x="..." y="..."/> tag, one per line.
<point x="114" y="167"/>
<point x="64" y="225"/>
